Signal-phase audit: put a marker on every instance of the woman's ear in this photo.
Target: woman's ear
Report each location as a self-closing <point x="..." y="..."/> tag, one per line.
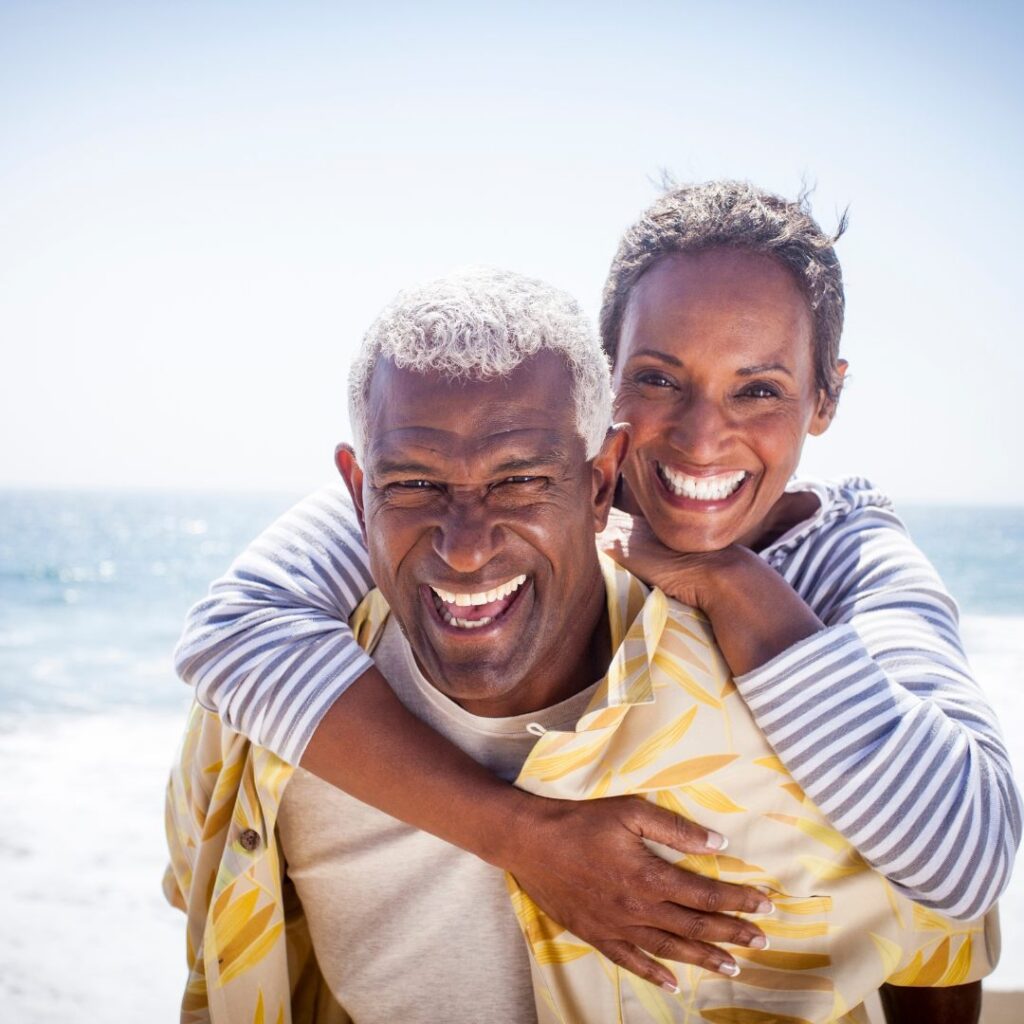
<point x="826" y="409"/>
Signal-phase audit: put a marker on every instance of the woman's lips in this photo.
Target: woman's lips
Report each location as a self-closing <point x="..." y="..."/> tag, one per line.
<point x="708" y="492"/>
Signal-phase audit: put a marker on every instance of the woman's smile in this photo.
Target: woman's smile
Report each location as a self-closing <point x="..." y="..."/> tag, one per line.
<point x="710" y="489"/>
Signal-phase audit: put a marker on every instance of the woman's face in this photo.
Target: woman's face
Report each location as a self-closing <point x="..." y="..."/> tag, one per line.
<point x="715" y="372"/>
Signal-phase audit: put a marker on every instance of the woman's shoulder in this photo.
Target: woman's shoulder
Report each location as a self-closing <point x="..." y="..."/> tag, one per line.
<point x="849" y="505"/>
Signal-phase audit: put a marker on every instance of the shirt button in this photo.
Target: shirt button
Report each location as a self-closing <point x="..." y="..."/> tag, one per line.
<point x="249" y="839"/>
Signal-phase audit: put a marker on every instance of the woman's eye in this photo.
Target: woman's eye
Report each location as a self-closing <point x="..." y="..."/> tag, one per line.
<point x="655" y="379"/>
<point x="761" y="391"/>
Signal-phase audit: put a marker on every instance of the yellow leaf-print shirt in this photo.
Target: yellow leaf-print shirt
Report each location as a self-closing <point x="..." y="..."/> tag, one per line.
<point x="666" y="722"/>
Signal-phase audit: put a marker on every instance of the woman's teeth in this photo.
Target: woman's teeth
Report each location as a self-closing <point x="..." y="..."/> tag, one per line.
<point x="701" y="488"/>
<point x="445" y="600"/>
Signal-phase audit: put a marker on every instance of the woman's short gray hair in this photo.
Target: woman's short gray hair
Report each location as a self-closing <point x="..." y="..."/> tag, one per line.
<point x="695" y="218"/>
<point x="480" y="324"/>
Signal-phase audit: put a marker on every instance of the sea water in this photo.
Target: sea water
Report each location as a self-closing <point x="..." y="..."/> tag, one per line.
<point x="93" y="591"/>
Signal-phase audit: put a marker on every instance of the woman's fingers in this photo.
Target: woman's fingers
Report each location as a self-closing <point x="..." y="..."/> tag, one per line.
<point x="630" y="958"/>
<point x="662" y="826"/>
<point x="684" y="887"/>
<point x="696" y="927"/>
<point x="588" y="866"/>
<point x="665" y="946"/>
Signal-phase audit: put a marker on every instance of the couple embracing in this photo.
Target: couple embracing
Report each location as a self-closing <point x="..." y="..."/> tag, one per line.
<point x="452" y="760"/>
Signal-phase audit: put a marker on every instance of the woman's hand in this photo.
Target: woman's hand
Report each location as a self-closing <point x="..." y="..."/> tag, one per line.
<point x="587" y="866"/>
<point x="754" y="612"/>
<point x="689" y="578"/>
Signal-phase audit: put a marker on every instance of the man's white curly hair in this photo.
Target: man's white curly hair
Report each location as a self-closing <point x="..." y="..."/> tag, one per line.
<point x="480" y="324"/>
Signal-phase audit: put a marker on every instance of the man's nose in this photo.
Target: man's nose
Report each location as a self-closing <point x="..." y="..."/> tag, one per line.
<point x="468" y="536"/>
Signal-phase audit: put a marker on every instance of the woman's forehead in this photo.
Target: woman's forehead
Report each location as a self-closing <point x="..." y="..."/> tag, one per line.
<point x="730" y="303"/>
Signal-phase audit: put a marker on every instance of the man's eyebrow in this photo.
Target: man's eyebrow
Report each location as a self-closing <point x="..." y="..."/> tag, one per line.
<point x="394" y="467"/>
<point x="515" y="464"/>
<point x="750" y="371"/>
<point x="550" y="457"/>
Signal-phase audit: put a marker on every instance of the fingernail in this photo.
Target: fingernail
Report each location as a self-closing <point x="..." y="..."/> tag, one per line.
<point x="729" y="969"/>
<point x="670" y="986"/>
<point x="758" y="942"/>
<point x="716" y="841"/>
<point x="765" y="907"/>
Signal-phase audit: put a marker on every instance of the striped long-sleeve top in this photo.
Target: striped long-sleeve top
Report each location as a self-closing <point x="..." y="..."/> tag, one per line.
<point x="877" y="716"/>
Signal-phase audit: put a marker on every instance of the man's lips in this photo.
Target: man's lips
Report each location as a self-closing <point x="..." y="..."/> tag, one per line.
<point x="465" y="610"/>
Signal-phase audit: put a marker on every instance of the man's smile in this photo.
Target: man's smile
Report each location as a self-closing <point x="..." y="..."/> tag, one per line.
<point x="466" y="609"/>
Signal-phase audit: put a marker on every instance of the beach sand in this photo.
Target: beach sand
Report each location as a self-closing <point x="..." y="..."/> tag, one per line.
<point x="87" y="935"/>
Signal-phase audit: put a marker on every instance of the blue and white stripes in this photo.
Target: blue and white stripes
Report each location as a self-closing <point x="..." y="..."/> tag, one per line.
<point x="269" y="649"/>
<point x="877" y="717"/>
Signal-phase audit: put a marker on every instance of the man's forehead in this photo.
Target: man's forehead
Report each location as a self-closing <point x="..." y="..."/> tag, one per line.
<point x="531" y="411"/>
<point x="507" y="450"/>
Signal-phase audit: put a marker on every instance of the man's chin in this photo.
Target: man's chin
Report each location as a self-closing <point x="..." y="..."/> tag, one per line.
<point x="470" y="679"/>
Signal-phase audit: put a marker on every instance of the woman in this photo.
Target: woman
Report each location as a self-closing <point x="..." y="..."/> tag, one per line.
<point x="722" y="317"/>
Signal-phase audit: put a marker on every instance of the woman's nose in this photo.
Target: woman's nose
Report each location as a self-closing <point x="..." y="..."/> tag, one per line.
<point x="700" y="430"/>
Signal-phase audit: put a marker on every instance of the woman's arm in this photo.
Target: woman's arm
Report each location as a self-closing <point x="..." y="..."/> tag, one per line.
<point x="270" y="651"/>
<point x="866" y="697"/>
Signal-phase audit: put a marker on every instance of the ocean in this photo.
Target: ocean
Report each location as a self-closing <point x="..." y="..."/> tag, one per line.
<point x="93" y="591"/>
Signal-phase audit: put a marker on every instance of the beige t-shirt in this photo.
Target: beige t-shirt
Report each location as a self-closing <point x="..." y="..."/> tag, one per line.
<point x="405" y="927"/>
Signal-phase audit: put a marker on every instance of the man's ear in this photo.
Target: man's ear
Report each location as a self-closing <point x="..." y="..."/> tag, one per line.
<point x="605" y="467"/>
<point x="826" y="409"/>
<point x="352" y="474"/>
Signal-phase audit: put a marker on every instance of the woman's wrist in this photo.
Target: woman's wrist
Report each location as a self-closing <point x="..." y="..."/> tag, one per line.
<point x="497" y="823"/>
<point x="704" y="580"/>
<point x="725" y="578"/>
<point x="754" y="612"/>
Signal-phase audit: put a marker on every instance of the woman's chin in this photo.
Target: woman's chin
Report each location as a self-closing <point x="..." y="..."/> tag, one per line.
<point x="692" y="535"/>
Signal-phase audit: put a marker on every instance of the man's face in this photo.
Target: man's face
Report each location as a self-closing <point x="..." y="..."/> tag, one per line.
<point x="480" y="510"/>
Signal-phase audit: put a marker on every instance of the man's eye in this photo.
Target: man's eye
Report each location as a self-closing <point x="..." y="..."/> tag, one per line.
<point x="412" y="485"/>
<point x="520" y="483"/>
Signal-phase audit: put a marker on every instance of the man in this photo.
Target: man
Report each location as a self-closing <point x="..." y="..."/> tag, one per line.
<point x="478" y="488"/>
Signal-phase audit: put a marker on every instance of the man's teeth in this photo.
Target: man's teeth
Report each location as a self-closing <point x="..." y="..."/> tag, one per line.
<point x="483" y="597"/>
<point x="464" y="623"/>
<point x="702" y="488"/>
<point x="444" y="598"/>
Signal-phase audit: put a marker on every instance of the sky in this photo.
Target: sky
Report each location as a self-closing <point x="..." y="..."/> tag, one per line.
<point x="204" y="204"/>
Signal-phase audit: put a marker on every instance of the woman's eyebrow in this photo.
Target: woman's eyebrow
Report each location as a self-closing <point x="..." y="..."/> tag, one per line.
<point x="745" y="371"/>
<point x="750" y="371"/>
<point x="655" y="354"/>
